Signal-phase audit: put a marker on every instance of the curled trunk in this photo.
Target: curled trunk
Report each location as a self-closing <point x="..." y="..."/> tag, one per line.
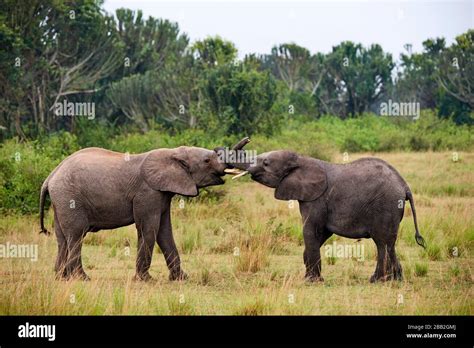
<point x="235" y="157"/>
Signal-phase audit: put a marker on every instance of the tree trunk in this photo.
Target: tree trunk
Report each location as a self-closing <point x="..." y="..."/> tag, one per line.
<point x="18" y="129"/>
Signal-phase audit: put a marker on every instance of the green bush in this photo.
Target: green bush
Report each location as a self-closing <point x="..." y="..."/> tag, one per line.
<point x="421" y="269"/>
<point x="434" y="252"/>
<point x="241" y="99"/>
<point x="25" y="165"/>
<point x="369" y="133"/>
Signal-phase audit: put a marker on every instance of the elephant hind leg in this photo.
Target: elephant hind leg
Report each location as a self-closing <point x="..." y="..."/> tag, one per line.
<point x="73" y="225"/>
<point x="388" y="267"/>
<point x="61" y="259"/>
<point x="74" y="228"/>
<point x="395" y="270"/>
<point x="381" y="267"/>
<point x="74" y="267"/>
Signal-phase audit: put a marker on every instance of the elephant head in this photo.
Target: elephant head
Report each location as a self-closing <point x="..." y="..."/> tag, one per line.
<point x="293" y="176"/>
<point x="183" y="170"/>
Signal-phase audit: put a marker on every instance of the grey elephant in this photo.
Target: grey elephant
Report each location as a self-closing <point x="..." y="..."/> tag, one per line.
<point x="362" y="199"/>
<point x="95" y="189"/>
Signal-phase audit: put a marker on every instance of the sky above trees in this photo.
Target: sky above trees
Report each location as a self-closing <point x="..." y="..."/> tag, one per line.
<point x="256" y="26"/>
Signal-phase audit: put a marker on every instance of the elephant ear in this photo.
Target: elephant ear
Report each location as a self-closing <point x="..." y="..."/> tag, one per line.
<point x="306" y="182"/>
<point x="168" y="170"/>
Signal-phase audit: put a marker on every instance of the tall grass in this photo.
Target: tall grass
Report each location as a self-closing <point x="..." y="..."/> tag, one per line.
<point x="268" y="269"/>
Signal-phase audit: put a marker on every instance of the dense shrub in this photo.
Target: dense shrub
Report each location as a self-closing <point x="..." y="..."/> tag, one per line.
<point x="241" y="99"/>
<point x="24" y="166"/>
<point x="370" y="133"/>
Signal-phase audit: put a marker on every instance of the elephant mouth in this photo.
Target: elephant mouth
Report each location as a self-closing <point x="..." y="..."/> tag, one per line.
<point x="259" y="178"/>
<point x="266" y="180"/>
<point x="255" y="176"/>
<point x="211" y="180"/>
<point x="217" y="180"/>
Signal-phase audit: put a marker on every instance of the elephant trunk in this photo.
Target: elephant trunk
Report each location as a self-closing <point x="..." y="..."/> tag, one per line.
<point x="240" y="160"/>
<point x="241" y="144"/>
<point x="236" y="158"/>
<point x="242" y="165"/>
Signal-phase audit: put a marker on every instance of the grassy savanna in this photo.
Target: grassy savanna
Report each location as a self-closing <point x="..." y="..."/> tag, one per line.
<point x="243" y="252"/>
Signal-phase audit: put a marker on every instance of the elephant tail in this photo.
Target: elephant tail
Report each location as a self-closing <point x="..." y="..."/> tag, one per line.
<point x="419" y="239"/>
<point x="44" y="192"/>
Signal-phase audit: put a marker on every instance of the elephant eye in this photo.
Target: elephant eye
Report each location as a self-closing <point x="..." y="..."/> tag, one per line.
<point x="207" y="160"/>
<point x="265" y="162"/>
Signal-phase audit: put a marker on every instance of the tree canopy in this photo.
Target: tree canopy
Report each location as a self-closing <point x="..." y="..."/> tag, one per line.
<point x="145" y="73"/>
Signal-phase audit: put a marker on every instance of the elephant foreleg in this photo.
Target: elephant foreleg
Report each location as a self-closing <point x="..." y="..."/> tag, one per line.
<point x="167" y="245"/>
<point x="314" y="238"/>
<point x="145" y="245"/>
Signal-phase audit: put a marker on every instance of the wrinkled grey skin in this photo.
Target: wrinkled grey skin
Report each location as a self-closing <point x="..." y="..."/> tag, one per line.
<point x="362" y="199"/>
<point x="96" y="189"/>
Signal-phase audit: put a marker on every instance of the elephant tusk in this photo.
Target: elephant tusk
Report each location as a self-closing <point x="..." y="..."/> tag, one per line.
<point x="232" y="171"/>
<point x="239" y="175"/>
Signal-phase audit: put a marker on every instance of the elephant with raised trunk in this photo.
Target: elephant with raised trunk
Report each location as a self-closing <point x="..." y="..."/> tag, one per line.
<point x="362" y="199"/>
<point x="95" y="189"/>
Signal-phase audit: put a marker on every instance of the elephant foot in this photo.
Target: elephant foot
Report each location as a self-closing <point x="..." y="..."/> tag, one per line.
<point x="394" y="276"/>
<point x="142" y="277"/>
<point x="379" y="278"/>
<point x="178" y="276"/>
<point x="85" y="277"/>
<point x="397" y="275"/>
<point x="77" y="275"/>
<point x="312" y="278"/>
<point x="80" y="275"/>
<point x="61" y="276"/>
<point x="374" y="278"/>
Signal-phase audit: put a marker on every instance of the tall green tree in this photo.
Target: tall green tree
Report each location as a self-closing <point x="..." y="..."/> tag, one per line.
<point x="439" y="77"/>
<point x="213" y="51"/>
<point x="155" y="82"/>
<point x="361" y="75"/>
<point x="290" y="63"/>
<point x="168" y="97"/>
<point x="456" y="72"/>
<point x="417" y="80"/>
<point x="58" y="50"/>
<point x="149" y="44"/>
<point x="241" y="98"/>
